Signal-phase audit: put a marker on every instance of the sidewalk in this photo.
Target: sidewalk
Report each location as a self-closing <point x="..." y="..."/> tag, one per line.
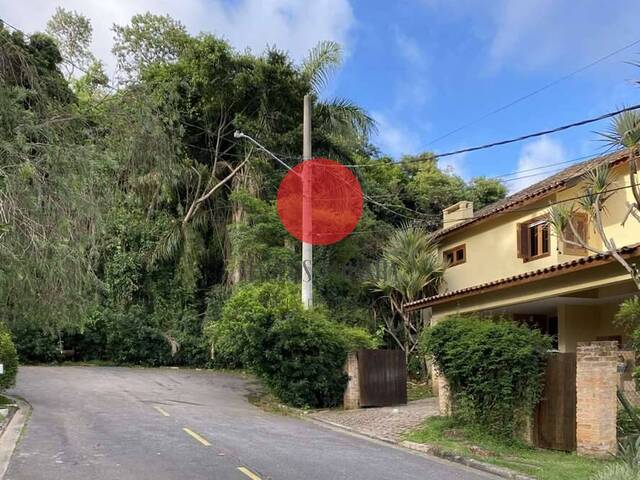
<point x="387" y="423"/>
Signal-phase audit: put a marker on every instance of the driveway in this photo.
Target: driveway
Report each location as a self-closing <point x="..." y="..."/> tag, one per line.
<point x="119" y="423"/>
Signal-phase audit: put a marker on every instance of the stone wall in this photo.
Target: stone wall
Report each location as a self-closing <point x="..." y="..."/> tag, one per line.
<point x="351" y="398"/>
<point x="596" y="380"/>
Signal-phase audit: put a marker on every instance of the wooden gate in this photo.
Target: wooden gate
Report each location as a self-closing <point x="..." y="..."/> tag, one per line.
<point x="555" y="416"/>
<point x="383" y="378"/>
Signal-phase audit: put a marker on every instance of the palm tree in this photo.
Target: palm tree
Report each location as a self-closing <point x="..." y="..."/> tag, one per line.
<point x="342" y="118"/>
<point x="410" y="268"/>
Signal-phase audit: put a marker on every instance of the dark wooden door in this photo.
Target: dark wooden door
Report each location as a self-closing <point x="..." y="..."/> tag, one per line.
<point x="555" y="415"/>
<point x="383" y="378"/>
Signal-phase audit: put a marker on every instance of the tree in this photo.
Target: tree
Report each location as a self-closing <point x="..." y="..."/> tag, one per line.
<point x="146" y="40"/>
<point x="50" y="190"/>
<point x="484" y="191"/>
<point x="73" y="33"/>
<point x="431" y="189"/>
<point x="409" y="268"/>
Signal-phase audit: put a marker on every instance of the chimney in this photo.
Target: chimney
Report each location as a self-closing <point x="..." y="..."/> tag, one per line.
<point x="457" y="213"/>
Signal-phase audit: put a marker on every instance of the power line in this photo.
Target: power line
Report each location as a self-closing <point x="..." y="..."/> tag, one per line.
<point x="509" y="211"/>
<point x="532" y="135"/>
<point x="463" y="150"/>
<point x="451" y="153"/>
<point x="521" y="138"/>
<point x="535" y="92"/>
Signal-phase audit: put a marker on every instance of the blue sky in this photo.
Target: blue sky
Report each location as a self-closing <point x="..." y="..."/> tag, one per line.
<point x="425" y="67"/>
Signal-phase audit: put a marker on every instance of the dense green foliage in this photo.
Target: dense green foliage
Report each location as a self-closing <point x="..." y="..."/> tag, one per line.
<point x="300" y="354"/>
<point x="128" y="215"/>
<point x="8" y="358"/>
<point x="494" y="369"/>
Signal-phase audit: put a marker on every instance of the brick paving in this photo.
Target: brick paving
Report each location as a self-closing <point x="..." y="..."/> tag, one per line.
<point x="387" y="423"/>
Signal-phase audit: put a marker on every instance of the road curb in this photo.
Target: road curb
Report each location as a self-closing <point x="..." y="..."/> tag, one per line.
<point x="12" y="432"/>
<point x="434" y="452"/>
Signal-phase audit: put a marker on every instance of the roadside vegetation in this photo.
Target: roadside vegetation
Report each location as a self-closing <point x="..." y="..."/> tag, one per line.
<point x="130" y="216"/>
<point x="299" y="354"/>
<point x="495" y="370"/>
<point x="450" y="435"/>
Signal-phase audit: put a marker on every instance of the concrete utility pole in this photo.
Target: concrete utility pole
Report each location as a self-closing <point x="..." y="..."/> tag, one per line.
<point x="307" y="248"/>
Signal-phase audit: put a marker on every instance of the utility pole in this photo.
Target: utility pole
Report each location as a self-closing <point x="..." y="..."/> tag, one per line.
<point x="307" y="248"/>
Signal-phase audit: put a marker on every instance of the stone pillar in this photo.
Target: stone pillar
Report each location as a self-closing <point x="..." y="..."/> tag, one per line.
<point x="444" y="396"/>
<point x="351" y="397"/>
<point x="596" y="380"/>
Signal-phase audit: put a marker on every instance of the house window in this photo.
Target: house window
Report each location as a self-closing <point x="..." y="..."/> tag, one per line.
<point x="580" y="222"/>
<point x="455" y="255"/>
<point x="533" y="239"/>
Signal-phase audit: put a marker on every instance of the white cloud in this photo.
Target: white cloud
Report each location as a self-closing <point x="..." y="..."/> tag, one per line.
<point x="533" y="34"/>
<point x="456" y="164"/>
<point x="394" y="139"/>
<point x="539" y="153"/>
<point x="409" y="48"/>
<point x="412" y="89"/>
<point x="292" y="25"/>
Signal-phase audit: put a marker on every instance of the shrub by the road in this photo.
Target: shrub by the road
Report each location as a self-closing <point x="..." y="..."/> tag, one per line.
<point x="9" y="358"/>
<point x="299" y="354"/>
<point x="494" y="368"/>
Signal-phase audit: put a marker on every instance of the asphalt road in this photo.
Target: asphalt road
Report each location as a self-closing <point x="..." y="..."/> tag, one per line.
<point x="102" y="423"/>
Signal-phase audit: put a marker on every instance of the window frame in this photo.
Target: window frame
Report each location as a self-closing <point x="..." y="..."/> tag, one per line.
<point x="541" y="222"/>
<point x="453" y="250"/>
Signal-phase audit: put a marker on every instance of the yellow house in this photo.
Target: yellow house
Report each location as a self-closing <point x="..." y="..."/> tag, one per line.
<point x="506" y="260"/>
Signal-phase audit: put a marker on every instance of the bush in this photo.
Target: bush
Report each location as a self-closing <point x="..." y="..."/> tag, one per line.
<point x="299" y="354"/>
<point x="9" y="358"/>
<point x="626" y="425"/>
<point x="494" y="369"/>
<point x="35" y="344"/>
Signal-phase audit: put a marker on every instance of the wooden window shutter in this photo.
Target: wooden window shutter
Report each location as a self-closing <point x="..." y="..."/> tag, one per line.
<point x="581" y="223"/>
<point x="523" y="240"/>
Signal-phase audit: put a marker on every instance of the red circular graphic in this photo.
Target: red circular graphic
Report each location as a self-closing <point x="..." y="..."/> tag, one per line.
<point x="334" y="201"/>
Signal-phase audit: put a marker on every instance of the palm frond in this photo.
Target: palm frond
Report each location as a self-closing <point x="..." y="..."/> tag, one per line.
<point x="559" y="216"/>
<point x="343" y="117"/>
<point x="325" y="57"/>
<point x="624" y="130"/>
<point x="170" y="244"/>
<point x="410" y="266"/>
<point x="597" y="189"/>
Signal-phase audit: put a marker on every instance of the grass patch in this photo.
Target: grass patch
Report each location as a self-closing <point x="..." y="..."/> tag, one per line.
<point x="6" y="401"/>
<point x="418" y="391"/>
<point x="542" y="464"/>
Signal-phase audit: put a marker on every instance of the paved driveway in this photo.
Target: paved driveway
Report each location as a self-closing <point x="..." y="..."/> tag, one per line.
<point x="118" y="423"/>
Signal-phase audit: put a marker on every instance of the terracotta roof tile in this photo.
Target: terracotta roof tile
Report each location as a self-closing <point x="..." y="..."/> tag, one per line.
<point x="536" y="190"/>
<point x="559" y="268"/>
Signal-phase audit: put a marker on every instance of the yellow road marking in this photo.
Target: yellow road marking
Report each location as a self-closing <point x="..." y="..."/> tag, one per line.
<point x="162" y="412"/>
<point x="202" y="440"/>
<point x="249" y="473"/>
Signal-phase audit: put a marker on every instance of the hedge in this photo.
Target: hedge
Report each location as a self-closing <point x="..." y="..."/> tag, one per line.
<point x="495" y="369"/>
